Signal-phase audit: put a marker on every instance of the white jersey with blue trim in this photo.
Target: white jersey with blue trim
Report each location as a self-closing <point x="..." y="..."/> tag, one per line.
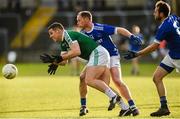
<point x="101" y="33"/>
<point x="169" y="30"/>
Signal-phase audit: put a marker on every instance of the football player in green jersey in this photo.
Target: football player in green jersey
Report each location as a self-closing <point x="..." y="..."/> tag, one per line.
<point x="73" y="44"/>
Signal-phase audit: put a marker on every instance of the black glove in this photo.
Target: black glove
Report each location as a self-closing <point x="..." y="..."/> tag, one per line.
<point x="130" y="55"/>
<point x="46" y="58"/>
<point x="57" y="58"/>
<point x="135" y="40"/>
<point x="52" y="69"/>
<point x="51" y="58"/>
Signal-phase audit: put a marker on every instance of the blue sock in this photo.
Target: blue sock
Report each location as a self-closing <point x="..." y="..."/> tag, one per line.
<point x="131" y="103"/>
<point x="163" y="102"/>
<point x="83" y="102"/>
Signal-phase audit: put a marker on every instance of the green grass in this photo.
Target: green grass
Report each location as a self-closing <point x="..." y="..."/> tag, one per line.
<point x="34" y="69"/>
<point x="35" y="94"/>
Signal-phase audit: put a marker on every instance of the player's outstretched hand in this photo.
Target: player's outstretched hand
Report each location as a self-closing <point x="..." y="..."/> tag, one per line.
<point x="136" y="40"/>
<point x="52" y="69"/>
<point x="46" y="58"/>
<point x="57" y="58"/>
<point x="130" y="55"/>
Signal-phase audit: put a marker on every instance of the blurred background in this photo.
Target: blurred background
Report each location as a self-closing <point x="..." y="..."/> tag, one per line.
<point x="23" y="23"/>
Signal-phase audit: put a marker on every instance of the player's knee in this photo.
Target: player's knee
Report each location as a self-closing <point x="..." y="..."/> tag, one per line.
<point x="107" y="81"/>
<point x="82" y="77"/>
<point x="156" y="78"/>
<point x="88" y="81"/>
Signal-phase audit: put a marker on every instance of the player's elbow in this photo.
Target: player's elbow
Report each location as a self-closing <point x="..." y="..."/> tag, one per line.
<point x="77" y="52"/>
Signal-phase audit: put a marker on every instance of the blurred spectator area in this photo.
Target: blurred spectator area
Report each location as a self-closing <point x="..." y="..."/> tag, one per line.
<point x="14" y="14"/>
<point x="25" y="18"/>
<point x="101" y="5"/>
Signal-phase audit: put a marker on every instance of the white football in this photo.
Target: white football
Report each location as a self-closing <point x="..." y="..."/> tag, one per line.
<point x="9" y="71"/>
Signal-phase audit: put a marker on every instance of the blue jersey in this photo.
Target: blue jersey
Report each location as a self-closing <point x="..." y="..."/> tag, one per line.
<point x="169" y="30"/>
<point x="101" y="33"/>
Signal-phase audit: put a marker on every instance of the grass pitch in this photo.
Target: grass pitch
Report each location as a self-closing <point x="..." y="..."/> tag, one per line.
<point x="34" y="94"/>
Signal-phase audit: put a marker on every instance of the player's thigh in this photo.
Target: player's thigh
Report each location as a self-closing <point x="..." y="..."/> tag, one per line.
<point x="98" y="62"/>
<point x="94" y="72"/>
<point x="99" y="57"/>
<point x="115" y="68"/>
<point x="106" y="76"/>
<point x="167" y="64"/>
<point x="114" y="61"/>
<point x="159" y="73"/>
<point x="171" y="63"/>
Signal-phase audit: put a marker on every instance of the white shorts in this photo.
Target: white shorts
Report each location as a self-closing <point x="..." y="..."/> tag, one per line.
<point x="171" y="63"/>
<point x="114" y="61"/>
<point x="99" y="57"/>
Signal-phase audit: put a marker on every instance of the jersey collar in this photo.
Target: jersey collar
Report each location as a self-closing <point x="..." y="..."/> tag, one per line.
<point x="63" y="37"/>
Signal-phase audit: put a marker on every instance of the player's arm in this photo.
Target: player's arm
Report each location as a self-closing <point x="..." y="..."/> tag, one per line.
<point x="148" y="49"/>
<point x="161" y="34"/>
<point x="64" y="62"/>
<point x="73" y="52"/>
<point x="133" y="39"/>
<point x="122" y="31"/>
<point x="110" y="30"/>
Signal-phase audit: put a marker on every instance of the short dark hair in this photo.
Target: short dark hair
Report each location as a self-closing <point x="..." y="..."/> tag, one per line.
<point x="56" y="25"/>
<point x="86" y="14"/>
<point x="163" y="7"/>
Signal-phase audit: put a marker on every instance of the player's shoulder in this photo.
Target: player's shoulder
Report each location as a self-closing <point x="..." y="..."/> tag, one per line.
<point x="72" y="33"/>
<point x="170" y="20"/>
<point x="98" y="26"/>
<point x="69" y="31"/>
<point x="165" y="24"/>
<point x="101" y="27"/>
<point x="172" y="17"/>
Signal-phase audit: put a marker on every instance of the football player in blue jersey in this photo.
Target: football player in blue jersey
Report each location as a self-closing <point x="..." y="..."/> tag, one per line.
<point x="101" y="33"/>
<point x="169" y="30"/>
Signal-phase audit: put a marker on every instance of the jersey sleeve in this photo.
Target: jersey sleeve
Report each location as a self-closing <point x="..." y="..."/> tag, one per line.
<point x="68" y="39"/>
<point x="107" y="29"/>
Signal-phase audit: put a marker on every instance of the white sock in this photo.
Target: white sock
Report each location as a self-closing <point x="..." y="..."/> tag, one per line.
<point x="122" y="105"/>
<point x="109" y="93"/>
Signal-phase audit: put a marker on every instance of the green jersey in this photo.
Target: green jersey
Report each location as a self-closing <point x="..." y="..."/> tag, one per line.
<point x="86" y="44"/>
